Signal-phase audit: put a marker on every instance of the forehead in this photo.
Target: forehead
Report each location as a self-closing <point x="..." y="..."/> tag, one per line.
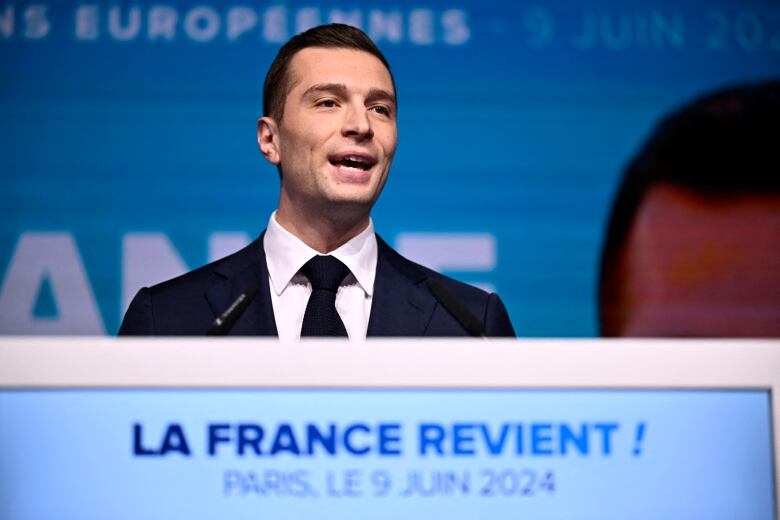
<point x="355" y="69"/>
<point x="703" y="265"/>
<point x="678" y="229"/>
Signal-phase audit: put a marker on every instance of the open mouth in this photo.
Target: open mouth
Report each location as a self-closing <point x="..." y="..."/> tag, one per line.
<point x="352" y="162"/>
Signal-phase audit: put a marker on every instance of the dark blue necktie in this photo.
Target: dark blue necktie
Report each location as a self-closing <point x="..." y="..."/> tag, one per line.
<point x="325" y="273"/>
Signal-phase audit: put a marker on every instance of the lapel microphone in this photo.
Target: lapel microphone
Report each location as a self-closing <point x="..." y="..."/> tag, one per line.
<point x="456" y="308"/>
<point x="225" y="321"/>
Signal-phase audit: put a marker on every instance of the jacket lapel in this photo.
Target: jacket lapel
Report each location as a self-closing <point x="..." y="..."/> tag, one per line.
<point x="236" y="274"/>
<point x="401" y="305"/>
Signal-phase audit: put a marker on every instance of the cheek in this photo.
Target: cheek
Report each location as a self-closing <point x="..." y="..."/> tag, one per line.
<point x="389" y="141"/>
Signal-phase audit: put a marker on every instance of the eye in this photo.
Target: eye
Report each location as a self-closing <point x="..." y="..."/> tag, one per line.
<point x="381" y="109"/>
<point x="326" y="103"/>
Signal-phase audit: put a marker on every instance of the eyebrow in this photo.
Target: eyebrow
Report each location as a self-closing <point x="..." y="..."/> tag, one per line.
<point x="377" y="94"/>
<point x="334" y="88"/>
<point x="340" y="89"/>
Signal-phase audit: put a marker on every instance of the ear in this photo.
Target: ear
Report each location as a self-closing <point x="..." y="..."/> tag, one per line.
<point x="267" y="139"/>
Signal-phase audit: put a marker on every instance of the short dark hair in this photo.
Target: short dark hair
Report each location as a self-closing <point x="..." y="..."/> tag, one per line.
<point x="719" y="145"/>
<point x="336" y="35"/>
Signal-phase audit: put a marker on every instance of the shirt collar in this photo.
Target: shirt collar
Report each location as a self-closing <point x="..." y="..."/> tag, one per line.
<point x="285" y="254"/>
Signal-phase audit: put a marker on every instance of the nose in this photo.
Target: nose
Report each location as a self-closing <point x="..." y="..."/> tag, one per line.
<point x="357" y="124"/>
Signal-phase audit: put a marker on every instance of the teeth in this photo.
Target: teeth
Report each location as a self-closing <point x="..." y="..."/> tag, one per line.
<point x="354" y="162"/>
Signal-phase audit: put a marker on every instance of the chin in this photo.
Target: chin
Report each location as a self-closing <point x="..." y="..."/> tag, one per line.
<point x="351" y="202"/>
<point x="358" y="194"/>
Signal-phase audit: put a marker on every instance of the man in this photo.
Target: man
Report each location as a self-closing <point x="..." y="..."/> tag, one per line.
<point x="319" y="269"/>
<point x="693" y="244"/>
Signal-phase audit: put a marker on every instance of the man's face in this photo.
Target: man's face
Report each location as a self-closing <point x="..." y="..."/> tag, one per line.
<point x="337" y="136"/>
<point x="697" y="265"/>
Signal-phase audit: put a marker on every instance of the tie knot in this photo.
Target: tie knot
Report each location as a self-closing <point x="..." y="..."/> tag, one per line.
<point x="325" y="272"/>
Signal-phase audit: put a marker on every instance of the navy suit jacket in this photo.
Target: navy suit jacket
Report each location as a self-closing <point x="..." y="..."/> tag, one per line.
<point x="402" y="305"/>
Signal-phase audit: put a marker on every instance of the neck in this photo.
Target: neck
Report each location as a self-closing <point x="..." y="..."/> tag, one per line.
<point x="324" y="232"/>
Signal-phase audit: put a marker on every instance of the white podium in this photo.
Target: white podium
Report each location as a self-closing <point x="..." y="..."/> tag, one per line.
<point x="250" y="428"/>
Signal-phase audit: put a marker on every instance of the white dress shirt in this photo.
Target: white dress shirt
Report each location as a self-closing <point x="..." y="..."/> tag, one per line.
<point x="285" y="254"/>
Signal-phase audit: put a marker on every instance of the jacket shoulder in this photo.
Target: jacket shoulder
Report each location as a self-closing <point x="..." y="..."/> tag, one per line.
<point x="177" y="305"/>
<point x="486" y="306"/>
